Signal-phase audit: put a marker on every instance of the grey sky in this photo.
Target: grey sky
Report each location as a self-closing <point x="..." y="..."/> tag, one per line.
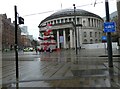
<point x="27" y="7"/>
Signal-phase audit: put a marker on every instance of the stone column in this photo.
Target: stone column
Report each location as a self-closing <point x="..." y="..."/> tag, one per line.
<point x="58" y="40"/>
<point x="87" y="22"/>
<point x="93" y="22"/>
<point x="81" y="38"/>
<point x="74" y="38"/>
<point x="71" y="38"/>
<point x="64" y="36"/>
<point x="77" y="28"/>
<point x="97" y="23"/>
<point x="90" y="22"/>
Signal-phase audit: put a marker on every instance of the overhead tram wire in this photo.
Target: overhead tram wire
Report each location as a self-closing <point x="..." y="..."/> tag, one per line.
<point x="39" y="13"/>
<point x="58" y="10"/>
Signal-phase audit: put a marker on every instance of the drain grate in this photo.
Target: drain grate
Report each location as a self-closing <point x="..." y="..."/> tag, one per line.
<point x="90" y="72"/>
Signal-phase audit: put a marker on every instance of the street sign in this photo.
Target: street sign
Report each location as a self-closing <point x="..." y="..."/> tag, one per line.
<point x="109" y="27"/>
<point x="104" y="39"/>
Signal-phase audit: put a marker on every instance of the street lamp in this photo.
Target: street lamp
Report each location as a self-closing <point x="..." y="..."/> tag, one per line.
<point x="75" y="29"/>
<point x="109" y="42"/>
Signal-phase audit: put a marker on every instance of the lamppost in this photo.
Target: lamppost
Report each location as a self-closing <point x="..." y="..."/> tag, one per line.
<point x="109" y="42"/>
<point x="75" y="29"/>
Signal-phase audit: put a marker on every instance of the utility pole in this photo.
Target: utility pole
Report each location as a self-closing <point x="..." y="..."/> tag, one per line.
<point x="109" y="42"/>
<point x="16" y="47"/>
<point x="75" y="29"/>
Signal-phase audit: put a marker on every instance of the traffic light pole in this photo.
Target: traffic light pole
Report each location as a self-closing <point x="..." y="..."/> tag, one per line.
<point x="16" y="47"/>
<point x="109" y="42"/>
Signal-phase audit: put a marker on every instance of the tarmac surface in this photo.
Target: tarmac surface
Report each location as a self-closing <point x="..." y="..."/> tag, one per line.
<point x="89" y="68"/>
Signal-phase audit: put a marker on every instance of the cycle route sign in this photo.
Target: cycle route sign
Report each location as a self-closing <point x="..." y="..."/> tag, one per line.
<point x="109" y="27"/>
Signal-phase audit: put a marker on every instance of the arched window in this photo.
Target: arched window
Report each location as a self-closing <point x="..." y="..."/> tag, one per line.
<point x="99" y="34"/>
<point x="96" y="40"/>
<point x="91" y="41"/>
<point x="95" y="34"/>
<point x="58" y="21"/>
<point x="85" y="34"/>
<point x="61" y="20"/>
<point x="90" y="34"/>
<point x="65" y="19"/>
<point x="69" y="19"/>
<point x="85" y="40"/>
<point x="51" y="22"/>
<point x="54" y="21"/>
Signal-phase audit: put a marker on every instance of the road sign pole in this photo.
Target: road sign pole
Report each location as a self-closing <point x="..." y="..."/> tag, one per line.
<point x="16" y="47"/>
<point x="109" y="42"/>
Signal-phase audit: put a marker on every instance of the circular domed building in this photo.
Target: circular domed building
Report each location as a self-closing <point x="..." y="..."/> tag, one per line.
<point x="89" y="27"/>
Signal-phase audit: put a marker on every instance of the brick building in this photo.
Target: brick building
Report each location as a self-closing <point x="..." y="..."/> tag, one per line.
<point x="25" y="41"/>
<point x="8" y="32"/>
<point x="25" y="37"/>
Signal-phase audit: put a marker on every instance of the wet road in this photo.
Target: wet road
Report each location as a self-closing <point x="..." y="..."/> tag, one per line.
<point x="62" y="69"/>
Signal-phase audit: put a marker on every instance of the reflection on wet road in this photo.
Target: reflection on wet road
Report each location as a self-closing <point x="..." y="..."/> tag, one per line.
<point x="62" y="69"/>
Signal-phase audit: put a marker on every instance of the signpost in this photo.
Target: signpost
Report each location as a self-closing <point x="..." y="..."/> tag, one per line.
<point x="21" y="21"/>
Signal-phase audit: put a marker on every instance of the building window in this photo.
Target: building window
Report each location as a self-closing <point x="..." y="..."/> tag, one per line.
<point x="85" y="34"/>
<point x="91" y="41"/>
<point x="58" y="21"/>
<point x="51" y="22"/>
<point x="65" y="19"/>
<point x="99" y="34"/>
<point x="85" y="40"/>
<point x="61" y="20"/>
<point x="78" y="20"/>
<point x="54" y="21"/>
<point x="48" y="22"/>
<point x="96" y="40"/>
<point x="95" y="34"/>
<point x="69" y="19"/>
<point x="90" y="34"/>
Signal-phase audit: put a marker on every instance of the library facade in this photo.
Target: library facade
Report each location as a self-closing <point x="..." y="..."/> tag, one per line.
<point x="70" y="28"/>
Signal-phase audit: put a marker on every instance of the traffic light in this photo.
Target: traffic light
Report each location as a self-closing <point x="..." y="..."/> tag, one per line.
<point x="21" y="20"/>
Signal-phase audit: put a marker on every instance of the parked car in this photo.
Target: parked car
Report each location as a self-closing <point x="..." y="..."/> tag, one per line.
<point x="31" y="49"/>
<point x="25" y="49"/>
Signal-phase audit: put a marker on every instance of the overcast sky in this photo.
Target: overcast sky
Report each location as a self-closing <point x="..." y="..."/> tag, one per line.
<point x="26" y="8"/>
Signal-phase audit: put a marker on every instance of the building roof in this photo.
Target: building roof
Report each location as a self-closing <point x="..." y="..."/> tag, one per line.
<point x="70" y="12"/>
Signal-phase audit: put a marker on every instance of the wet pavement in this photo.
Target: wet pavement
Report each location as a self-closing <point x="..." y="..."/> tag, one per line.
<point x="63" y="69"/>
